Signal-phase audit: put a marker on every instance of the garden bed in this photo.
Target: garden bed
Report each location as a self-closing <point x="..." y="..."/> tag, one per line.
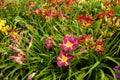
<point x="59" y="39"/>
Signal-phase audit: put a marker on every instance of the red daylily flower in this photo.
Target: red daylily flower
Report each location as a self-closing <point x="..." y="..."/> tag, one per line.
<point x="31" y="4"/>
<point x="85" y="20"/>
<point x="99" y="45"/>
<point x="110" y="13"/>
<point x="69" y="2"/>
<point x="118" y="1"/>
<point x="69" y="43"/>
<point x="84" y="39"/>
<point x="88" y="20"/>
<point x="101" y="15"/>
<point x="81" y="18"/>
<point x="64" y="59"/>
<point x="56" y="1"/>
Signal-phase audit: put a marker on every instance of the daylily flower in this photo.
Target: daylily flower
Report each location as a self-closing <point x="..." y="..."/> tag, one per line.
<point x="118" y="1"/>
<point x="30" y="77"/>
<point x="16" y="37"/>
<point x="81" y="17"/>
<point x="69" y="2"/>
<point x="2" y="23"/>
<point x="49" y="43"/>
<point x="101" y="15"/>
<point x="69" y="43"/>
<point x="1" y="4"/>
<point x="64" y="59"/>
<point x="88" y="20"/>
<point x="110" y="13"/>
<point x="99" y="45"/>
<point x="84" y="21"/>
<point x="17" y="49"/>
<point x="19" y="58"/>
<point x="5" y="29"/>
<point x="30" y="44"/>
<point x="31" y="4"/>
<point x="84" y="39"/>
<point x="56" y="1"/>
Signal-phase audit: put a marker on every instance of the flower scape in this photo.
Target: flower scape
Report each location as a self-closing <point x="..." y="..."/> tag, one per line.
<point x="59" y="40"/>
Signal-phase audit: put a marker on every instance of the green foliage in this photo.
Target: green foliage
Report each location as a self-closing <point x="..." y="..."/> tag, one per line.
<point x="86" y="65"/>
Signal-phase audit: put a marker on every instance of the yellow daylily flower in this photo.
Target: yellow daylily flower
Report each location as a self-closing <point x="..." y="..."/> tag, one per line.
<point x="5" y="29"/>
<point x="2" y="22"/>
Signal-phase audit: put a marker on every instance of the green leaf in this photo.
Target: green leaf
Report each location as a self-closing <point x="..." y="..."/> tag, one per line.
<point x="81" y="75"/>
<point x="69" y="74"/>
<point x="112" y="59"/>
<point x="54" y="75"/>
<point x="42" y="72"/>
<point x="111" y="70"/>
<point x="3" y="66"/>
<point x="102" y="74"/>
<point x="94" y="66"/>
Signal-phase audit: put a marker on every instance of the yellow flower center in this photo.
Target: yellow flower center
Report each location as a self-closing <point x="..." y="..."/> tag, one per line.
<point x="69" y="44"/>
<point x="15" y="34"/>
<point x="64" y="59"/>
<point x="87" y="39"/>
<point x="99" y="47"/>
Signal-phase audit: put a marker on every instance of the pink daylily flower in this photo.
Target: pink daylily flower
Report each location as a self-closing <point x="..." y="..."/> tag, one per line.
<point x="69" y="43"/>
<point x="49" y="43"/>
<point x="30" y="77"/>
<point x="19" y="58"/>
<point x="31" y="42"/>
<point x="64" y="59"/>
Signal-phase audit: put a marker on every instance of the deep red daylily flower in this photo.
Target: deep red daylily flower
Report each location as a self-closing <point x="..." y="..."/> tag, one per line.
<point x="88" y="20"/>
<point x="85" y="20"/>
<point x="108" y="13"/>
<point x="99" y="45"/>
<point x="84" y="39"/>
<point x="69" y="43"/>
<point x="81" y="17"/>
<point x="64" y="59"/>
